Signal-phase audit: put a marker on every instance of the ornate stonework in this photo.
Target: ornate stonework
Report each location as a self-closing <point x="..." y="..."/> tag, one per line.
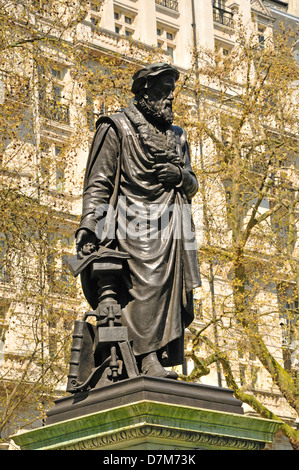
<point x="180" y="439"/>
<point x="257" y="5"/>
<point x="152" y="425"/>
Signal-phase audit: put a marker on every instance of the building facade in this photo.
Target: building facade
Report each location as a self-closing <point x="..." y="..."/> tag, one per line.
<point x="177" y="26"/>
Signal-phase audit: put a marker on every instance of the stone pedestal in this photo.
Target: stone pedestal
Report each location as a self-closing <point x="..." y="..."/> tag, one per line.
<point x="148" y="413"/>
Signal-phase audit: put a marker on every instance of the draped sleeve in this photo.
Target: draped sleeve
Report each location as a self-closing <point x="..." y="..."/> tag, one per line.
<point x="100" y="173"/>
<point x="188" y="181"/>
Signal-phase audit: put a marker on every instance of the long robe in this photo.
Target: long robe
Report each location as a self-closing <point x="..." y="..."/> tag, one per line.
<point x="155" y="290"/>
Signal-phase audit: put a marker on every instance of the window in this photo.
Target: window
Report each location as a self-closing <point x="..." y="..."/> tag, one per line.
<point x="52" y="168"/>
<point x="95" y="6"/>
<point x="95" y="107"/>
<point x="57" y="151"/>
<point x="60" y="170"/>
<point x="242" y="372"/>
<point x="289" y="323"/>
<point x="289" y="313"/>
<point x="57" y="94"/>
<point x="197" y="308"/>
<point x="40" y="6"/>
<point x="2" y="92"/>
<point x="222" y="14"/>
<point x="60" y="279"/>
<point x="170" y="51"/>
<point x="50" y="268"/>
<point x="94" y="21"/>
<point x="60" y="178"/>
<point x="166" y="37"/>
<point x="252" y="356"/>
<point x="68" y="282"/>
<point x="254" y="376"/>
<point x="248" y="366"/>
<point x="124" y="22"/>
<point x="1" y="349"/>
<point x="14" y="87"/>
<point x="95" y="13"/>
<point x="68" y="324"/>
<point x="261" y="36"/>
<point x="56" y="73"/>
<point x="222" y="49"/>
<point x="2" y="259"/>
<point x="90" y="115"/>
<point x="219" y="3"/>
<point x="51" y="94"/>
<point x="4" y="307"/>
<point x="280" y="223"/>
<point x="52" y="333"/>
<point x="4" y="272"/>
<point x="45" y="168"/>
<point x="240" y="353"/>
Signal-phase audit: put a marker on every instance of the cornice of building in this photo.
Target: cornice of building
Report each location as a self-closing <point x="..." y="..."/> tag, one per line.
<point x="284" y="13"/>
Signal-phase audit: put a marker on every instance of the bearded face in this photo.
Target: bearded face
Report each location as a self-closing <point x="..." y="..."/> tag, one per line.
<point x="156" y="101"/>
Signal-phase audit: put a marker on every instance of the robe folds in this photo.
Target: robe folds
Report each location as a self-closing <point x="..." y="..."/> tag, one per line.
<point x="129" y="210"/>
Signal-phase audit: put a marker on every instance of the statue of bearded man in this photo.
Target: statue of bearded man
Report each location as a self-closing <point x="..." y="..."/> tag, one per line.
<point x="139" y="166"/>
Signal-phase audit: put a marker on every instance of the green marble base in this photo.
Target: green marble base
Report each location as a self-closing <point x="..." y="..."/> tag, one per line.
<point x="150" y="425"/>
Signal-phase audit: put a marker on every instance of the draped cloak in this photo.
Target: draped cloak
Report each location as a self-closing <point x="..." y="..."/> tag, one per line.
<point x="155" y="289"/>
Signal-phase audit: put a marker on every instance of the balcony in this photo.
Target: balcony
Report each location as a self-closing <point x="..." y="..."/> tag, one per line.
<point x="55" y="111"/>
<point x="224" y="17"/>
<point x="171" y="4"/>
<point x="4" y="274"/>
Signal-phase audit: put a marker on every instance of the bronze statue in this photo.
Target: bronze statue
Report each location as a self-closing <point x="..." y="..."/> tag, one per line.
<point x="134" y="251"/>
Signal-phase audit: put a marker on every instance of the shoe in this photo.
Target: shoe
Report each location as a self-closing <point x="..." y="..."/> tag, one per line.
<point x="150" y="365"/>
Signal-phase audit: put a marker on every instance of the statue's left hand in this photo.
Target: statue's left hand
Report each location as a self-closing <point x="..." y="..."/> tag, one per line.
<point x="86" y="242"/>
<point x="168" y="173"/>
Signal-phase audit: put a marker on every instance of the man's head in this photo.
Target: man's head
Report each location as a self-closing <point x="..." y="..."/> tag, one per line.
<point x="153" y="87"/>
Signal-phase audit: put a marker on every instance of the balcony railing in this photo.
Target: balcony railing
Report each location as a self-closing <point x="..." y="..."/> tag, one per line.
<point x="171" y="4"/>
<point x="55" y="111"/>
<point x="4" y="274"/>
<point x="223" y="17"/>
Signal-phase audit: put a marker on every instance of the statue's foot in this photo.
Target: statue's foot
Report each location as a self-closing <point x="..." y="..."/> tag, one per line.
<point x="150" y="365"/>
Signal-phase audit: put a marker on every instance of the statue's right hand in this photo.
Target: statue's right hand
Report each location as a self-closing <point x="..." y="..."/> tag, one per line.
<point x="85" y="242"/>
